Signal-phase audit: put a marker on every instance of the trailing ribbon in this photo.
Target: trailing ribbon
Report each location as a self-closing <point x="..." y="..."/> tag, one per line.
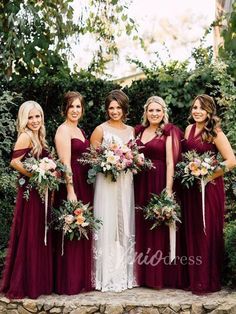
<point x="203" y="184"/>
<point x="46" y="217"/>
<point x="172" y="236"/>
<point x="62" y="243"/>
<point x="123" y="230"/>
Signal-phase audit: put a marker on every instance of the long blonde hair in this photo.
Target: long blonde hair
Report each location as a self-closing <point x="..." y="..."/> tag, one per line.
<point x="39" y="139"/>
<point x="159" y="101"/>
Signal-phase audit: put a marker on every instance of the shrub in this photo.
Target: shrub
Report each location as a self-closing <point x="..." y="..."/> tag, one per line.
<point x="230" y="245"/>
<point x="7" y="176"/>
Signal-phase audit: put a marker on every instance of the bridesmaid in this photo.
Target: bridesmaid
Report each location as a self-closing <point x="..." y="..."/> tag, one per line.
<point x="28" y="268"/>
<point x="205" y="135"/>
<point x="161" y="143"/>
<point x="73" y="269"/>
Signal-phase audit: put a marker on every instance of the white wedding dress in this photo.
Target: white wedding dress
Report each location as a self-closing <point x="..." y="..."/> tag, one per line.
<point x="113" y="244"/>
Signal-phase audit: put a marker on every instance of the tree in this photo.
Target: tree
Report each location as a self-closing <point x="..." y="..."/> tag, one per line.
<point x="225" y="25"/>
<point x="35" y="34"/>
<point x="228" y="32"/>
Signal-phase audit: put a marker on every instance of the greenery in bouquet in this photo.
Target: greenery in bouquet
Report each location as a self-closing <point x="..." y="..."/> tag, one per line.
<point x="75" y="219"/>
<point x="140" y="162"/>
<point x="113" y="158"/>
<point x="162" y="209"/>
<point x="47" y="175"/>
<point x="196" y="167"/>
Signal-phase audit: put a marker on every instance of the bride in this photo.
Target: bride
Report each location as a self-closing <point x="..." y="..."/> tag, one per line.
<point x="114" y="204"/>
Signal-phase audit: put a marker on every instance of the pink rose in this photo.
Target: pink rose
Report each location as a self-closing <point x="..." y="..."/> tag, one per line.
<point x="46" y="164"/>
<point x="78" y="211"/>
<point x="128" y="162"/>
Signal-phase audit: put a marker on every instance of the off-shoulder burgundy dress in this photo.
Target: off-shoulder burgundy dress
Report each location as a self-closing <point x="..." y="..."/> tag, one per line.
<point x="154" y="270"/>
<point x="28" y="267"/>
<point x="73" y="269"/>
<point x="206" y="250"/>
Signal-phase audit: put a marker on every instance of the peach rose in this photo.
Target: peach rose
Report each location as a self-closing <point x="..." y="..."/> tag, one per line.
<point x="80" y="220"/>
<point x="129" y="155"/>
<point x="193" y="166"/>
<point x="114" y="146"/>
<point x="203" y="171"/>
<point x="196" y="172"/>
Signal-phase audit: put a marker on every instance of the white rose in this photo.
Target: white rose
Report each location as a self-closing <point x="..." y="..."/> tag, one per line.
<point x="69" y="219"/>
<point x="206" y="165"/>
<point x="108" y="167"/>
<point x="85" y="224"/>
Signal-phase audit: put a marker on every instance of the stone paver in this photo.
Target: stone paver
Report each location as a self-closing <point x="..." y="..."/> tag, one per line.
<point x="133" y="301"/>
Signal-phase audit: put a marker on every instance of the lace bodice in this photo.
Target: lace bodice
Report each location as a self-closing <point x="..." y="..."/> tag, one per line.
<point x="122" y="136"/>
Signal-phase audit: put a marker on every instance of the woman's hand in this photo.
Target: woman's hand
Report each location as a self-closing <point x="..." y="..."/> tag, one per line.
<point x="71" y="196"/>
<point x="169" y="192"/>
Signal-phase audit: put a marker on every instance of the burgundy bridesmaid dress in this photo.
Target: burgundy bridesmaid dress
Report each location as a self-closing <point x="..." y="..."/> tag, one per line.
<point x="28" y="267"/>
<point x="204" y="250"/>
<point x="73" y="269"/>
<point x="152" y="246"/>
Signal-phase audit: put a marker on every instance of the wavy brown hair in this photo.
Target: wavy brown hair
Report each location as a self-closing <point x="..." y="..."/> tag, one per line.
<point x="212" y="122"/>
<point x="122" y="99"/>
<point x="38" y="140"/>
<point x="69" y="97"/>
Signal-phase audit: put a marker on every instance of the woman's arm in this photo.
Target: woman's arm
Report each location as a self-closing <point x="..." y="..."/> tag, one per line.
<point x="96" y="137"/>
<point x="169" y="166"/>
<point x="226" y="152"/>
<point x="63" y="147"/>
<point x="133" y="130"/>
<point x="187" y="131"/>
<point x="23" y="142"/>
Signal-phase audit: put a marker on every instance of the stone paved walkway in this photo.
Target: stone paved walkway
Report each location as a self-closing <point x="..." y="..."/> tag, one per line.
<point x="137" y="300"/>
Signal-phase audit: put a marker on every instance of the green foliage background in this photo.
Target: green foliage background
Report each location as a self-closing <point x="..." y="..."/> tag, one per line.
<point x="176" y="82"/>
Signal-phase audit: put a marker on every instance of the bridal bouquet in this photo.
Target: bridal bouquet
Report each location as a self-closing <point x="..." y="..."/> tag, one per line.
<point x="76" y="220"/>
<point x="162" y="209"/>
<point x="196" y="167"/>
<point x="46" y="175"/>
<point x="113" y="158"/>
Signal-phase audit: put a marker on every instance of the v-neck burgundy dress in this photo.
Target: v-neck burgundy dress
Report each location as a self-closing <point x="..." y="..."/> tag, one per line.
<point x="152" y="246"/>
<point x="73" y="269"/>
<point x="206" y="250"/>
<point x="28" y="266"/>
